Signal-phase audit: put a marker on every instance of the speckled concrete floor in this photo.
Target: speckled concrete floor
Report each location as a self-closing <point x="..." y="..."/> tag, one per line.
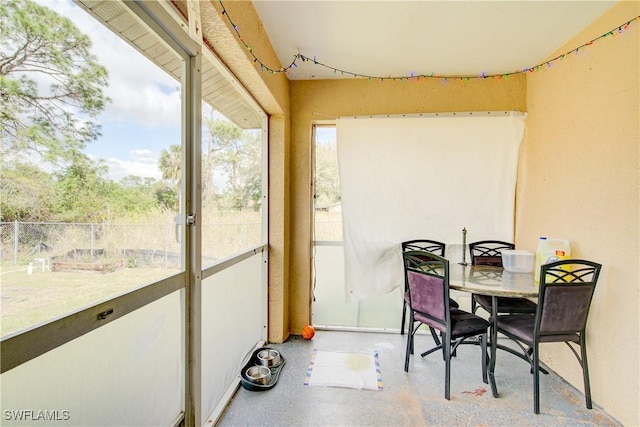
<point x="415" y="398"/>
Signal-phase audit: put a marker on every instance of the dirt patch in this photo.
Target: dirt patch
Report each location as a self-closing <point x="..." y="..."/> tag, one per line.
<point x="98" y="266"/>
<point x="86" y="260"/>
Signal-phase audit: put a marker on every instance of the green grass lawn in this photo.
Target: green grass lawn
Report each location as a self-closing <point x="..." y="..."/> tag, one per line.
<point x="30" y="299"/>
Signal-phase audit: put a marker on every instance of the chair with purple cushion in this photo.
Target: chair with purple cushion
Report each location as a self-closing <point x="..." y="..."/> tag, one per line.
<point x="432" y="246"/>
<point x="564" y="298"/>
<point x="489" y="252"/>
<point x="429" y="305"/>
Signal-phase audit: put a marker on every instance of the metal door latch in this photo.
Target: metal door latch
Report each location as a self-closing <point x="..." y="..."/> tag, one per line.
<point x="191" y="220"/>
<point x="104" y="314"/>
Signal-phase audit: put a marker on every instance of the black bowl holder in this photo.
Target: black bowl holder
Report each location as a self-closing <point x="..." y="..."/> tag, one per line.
<point x="253" y="361"/>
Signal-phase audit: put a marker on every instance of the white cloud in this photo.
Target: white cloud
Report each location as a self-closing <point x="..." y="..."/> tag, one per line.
<point x="143" y="96"/>
<point x="141" y="93"/>
<point x="141" y="163"/>
<point x="145" y="104"/>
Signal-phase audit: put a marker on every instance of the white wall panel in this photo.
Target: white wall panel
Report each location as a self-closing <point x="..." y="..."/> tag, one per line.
<point x="126" y="373"/>
<point x="233" y="323"/>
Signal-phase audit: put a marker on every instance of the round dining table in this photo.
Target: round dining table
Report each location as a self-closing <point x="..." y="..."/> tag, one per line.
<point x="494" y="282"/>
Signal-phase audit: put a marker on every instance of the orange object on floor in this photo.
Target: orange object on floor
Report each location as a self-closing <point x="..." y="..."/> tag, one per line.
<point x="308" y="332"/>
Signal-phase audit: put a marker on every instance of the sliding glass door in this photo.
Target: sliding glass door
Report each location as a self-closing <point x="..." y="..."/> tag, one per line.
<point x="94" y="253"/>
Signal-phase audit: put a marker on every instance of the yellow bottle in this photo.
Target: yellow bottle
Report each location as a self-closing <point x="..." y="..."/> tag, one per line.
<point x="550" y="250"/>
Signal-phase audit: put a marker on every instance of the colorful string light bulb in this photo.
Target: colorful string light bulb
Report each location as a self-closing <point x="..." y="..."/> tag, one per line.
<point x="263" y="67"/>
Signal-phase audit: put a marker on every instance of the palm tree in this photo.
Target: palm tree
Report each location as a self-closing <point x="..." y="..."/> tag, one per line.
<point x="170" y="165"/>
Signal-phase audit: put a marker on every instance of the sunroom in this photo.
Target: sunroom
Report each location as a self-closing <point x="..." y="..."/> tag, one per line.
<point x="196" y="289"/>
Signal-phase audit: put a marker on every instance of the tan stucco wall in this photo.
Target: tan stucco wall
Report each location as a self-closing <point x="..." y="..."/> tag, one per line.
<point x="579" y="180"/>
<point x="327" y="99"/>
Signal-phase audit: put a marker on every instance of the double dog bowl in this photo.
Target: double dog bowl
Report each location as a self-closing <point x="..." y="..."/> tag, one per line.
<point x="262" y="370"/>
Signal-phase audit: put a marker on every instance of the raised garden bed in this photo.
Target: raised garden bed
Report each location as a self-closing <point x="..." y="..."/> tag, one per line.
<point x="86" y="260"/>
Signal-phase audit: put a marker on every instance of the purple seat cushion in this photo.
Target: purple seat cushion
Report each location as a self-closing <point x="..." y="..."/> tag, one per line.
<point x="507" y="304"/>
<point x="522" y="326"/>
<point x="462" y="323"/>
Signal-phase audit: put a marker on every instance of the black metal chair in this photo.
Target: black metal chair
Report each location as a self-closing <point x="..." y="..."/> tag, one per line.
<point x="432" y="246"/>
<point x="429" y="304"/>
<point x="564" y="299"/>
<point x="489" y="252"/>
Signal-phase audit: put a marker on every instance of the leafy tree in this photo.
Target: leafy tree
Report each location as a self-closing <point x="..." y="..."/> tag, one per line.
<point x="50" y="83"/>
<point x="125" y="202"/>
<point x="254" y="179"/>
<point x="83" y="194"/>
<point x="327" y="179"/>
<point x="170" y="165"/>
<point x="208" y="160"/>
<point x="166" y="197"/>
<point x="235" y="156"/>
<point x="232" y="157"/>
<point x="79" y="190"/>
<point x="26" y="193"/>
<point x="171" y="169"/>
<point x="134" y="181"/>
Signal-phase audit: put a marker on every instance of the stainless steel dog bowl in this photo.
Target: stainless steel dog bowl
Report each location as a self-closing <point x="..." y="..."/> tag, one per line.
<point x="269" y="358"/>
<point x="259" y="374"/>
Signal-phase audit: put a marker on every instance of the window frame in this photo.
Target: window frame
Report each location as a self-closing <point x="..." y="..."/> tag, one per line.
<point x="23" y="346"/>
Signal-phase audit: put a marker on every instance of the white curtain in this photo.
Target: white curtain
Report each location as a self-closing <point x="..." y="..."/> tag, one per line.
<point x="422" y="178"/>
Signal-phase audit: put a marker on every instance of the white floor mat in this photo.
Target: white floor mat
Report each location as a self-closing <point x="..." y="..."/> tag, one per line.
<point x="359" y="370"/>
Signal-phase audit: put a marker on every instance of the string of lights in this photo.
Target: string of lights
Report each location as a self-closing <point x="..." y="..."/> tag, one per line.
<point x="303" y="58"/>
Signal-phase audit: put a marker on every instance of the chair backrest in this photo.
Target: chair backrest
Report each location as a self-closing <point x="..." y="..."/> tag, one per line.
<point x="488" y="252"/>
<point x="565" y="294"/>
<point x="428" y="285"/>
<point x="432" y="246"/>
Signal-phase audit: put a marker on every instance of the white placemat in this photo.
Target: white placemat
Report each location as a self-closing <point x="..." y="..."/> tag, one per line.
<point x="359" y="370"/>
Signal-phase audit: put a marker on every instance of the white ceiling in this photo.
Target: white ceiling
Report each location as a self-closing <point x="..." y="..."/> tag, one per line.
<point x="398" y="38"/>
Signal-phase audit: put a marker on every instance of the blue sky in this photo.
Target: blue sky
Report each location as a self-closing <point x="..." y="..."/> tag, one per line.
<point x="144" y="115"/>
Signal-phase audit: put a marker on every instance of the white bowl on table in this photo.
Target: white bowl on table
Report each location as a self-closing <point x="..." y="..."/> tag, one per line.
<point x="517" y="261"/>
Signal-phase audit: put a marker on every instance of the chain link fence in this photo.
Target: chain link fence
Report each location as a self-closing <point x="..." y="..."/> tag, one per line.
<point x="154" y="245"/>
<point x="22" y="242"/>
